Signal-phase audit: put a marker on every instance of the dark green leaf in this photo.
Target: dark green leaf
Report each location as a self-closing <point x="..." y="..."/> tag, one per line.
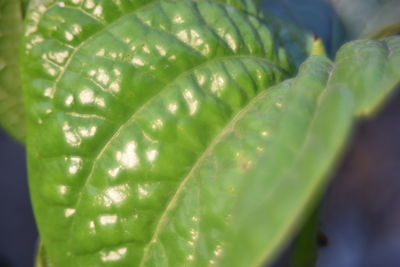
<point x="305" y="249"/>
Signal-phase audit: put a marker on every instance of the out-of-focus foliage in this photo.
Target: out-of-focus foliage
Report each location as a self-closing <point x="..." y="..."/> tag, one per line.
<point x="11" y="106"/>
<point x="369" y="18"/>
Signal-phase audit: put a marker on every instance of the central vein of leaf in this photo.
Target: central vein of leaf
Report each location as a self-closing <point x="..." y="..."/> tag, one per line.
<point x="147" y="104"/>
<point x="229" y="127"/>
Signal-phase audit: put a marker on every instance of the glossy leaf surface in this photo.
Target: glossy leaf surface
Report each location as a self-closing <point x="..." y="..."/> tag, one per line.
<point x="130" y="94"/>
<point x="11" y="106"/>
<point x="155" y="138"/>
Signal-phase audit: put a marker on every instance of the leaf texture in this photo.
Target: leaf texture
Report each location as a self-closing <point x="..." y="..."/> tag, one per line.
<point x="11" y="104"/>
<point x="157" y="136"/>
<point x="131" y="95"/>
<point x="322" y="102"/>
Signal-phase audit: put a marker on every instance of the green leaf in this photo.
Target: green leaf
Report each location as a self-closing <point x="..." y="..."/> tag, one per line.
<point x="305" y="125"/>
<point x="370" y="69"/>
<point x="251" y="6"/>
<point x="308" y="139"/>
<point x="296" y="44"/>
<point x="11" y="106"/>
<point x="130" y="94"/>
<point x="157" y="136"/>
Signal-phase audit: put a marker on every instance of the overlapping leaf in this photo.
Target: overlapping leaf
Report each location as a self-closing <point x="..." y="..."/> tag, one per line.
<point x="305" y="139"/>
<point x="157" y="136"/>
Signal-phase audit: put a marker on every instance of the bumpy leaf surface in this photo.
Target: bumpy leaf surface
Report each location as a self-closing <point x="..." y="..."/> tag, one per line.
<point x="155" y="138"/>
<point x="11" y="104"/>
<point x="130" y="96"/>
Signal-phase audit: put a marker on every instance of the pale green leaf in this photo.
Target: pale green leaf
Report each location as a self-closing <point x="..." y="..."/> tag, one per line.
<point x="308" y="138"/>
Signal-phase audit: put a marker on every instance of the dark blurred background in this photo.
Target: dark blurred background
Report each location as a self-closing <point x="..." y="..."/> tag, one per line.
<point x="360" y="214"/>
<point x="361" y="211"/>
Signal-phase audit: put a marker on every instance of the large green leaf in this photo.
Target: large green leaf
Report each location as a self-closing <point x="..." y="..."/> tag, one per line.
<point x="154" y="141"/>
<point x="124" y="97"/>
<point x="11" y="107"/>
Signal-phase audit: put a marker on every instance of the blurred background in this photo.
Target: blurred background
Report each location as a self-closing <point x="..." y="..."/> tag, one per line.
<point x="360" y="215"/>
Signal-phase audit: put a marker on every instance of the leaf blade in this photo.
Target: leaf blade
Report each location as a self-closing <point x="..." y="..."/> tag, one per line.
<point x="205" y="56"/>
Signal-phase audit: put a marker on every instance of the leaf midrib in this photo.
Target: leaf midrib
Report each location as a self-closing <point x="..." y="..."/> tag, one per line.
<point x="138" y="111"/>
<point x="216" y="140"/>
<point x="91" y="37"/>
